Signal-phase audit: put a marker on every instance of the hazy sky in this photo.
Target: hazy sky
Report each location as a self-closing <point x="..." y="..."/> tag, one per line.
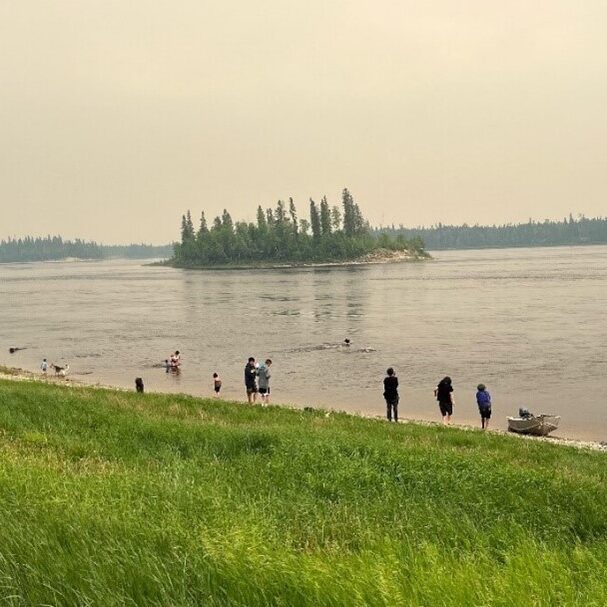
<point x="117" y="115"/>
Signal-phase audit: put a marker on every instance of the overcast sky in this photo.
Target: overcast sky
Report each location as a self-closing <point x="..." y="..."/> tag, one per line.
<point x="116" y="116"/>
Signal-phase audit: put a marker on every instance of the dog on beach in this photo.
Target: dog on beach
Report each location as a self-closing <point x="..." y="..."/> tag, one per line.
<point x="59" y="370"/>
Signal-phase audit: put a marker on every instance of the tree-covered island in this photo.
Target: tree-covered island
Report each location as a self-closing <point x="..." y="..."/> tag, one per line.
<point x="328" y="234"/>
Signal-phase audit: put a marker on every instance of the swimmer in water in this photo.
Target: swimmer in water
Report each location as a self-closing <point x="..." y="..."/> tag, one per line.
<point x="347" y="342"/>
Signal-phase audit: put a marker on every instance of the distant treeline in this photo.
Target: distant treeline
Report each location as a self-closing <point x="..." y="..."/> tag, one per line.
<point x="569" y="231"/>
<point x="137" y="251"/>
<point x="54" y="248"/>
<point x="329" y="233"/>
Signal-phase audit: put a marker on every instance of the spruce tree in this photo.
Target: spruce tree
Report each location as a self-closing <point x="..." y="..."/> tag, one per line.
<point x="315" y="220"/>
<point x="226" y="221"/>
<point x="293" y="213"/>
<point x="349" y="213"/>
<point x="203" y="229"/>
<point x="336" y="218"/>
<point x="262" y="223"/>
<point x="325" y="217"/>
<point x="189" y="226"/>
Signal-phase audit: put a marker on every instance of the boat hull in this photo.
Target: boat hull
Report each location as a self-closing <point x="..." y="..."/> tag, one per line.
<point x="542" y="425"/>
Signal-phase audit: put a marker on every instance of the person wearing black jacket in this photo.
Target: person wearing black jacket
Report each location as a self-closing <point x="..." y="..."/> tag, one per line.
<point x="250" y="380"/>
<point x="444" y="395"/>
<point x="391" y="394"/>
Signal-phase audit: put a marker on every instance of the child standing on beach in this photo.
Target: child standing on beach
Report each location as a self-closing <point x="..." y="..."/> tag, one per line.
<point x="216" y="384"/>
<point x="263" y="376"/>
<point x="483" y="400"/>
<point x="44" y="366"/>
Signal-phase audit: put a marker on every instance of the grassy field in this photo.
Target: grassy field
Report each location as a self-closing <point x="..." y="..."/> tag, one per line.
<point x="113" y="498"/>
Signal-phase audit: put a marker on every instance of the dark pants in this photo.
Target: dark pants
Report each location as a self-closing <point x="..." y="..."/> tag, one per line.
<point x="392" y="409"/>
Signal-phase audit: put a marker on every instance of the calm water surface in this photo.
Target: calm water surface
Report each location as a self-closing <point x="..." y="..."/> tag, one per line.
<point x="530" y="323"/>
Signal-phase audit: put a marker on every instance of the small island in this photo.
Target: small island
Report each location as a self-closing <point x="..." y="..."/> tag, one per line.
<point x="331" y="235"/>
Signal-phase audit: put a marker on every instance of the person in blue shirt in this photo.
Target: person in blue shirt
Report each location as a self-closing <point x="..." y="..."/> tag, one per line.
<point x="483" y="400"/>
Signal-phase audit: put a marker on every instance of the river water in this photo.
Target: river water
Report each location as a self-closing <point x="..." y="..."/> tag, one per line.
<point x="529" y="323"/>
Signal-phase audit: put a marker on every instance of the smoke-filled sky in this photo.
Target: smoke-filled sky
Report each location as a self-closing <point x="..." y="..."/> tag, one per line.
<point x="116" y="116"/>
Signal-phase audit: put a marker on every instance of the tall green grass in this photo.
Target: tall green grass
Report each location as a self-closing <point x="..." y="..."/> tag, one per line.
<point x="112" y="498"/>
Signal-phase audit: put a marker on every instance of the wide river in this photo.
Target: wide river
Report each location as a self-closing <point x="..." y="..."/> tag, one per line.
<point x="529" y="323"/>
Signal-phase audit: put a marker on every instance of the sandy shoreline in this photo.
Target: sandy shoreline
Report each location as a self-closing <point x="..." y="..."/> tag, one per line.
<point x="16" y="374"/>
<point x="381" y="256"/>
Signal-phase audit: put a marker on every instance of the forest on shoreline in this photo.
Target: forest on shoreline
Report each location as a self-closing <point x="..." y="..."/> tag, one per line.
<point x="55" y="248"/>
<point x="569" y="231"/>
<point x="327" y="234"/>
<point x="323" y="237"/>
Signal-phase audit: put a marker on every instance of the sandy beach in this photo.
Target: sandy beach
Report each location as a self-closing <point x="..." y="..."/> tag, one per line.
<point x="22" y="375"/>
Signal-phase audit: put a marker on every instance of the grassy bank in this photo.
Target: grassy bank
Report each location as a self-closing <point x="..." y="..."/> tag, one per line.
<point x="113" y="498"/>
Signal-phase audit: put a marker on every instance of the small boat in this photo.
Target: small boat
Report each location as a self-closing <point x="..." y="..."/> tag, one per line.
<point x="537" y="425"/>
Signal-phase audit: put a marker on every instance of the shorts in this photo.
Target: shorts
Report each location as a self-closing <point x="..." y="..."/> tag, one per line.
<point x="217" y="389"/>
<point x="446" y="408"/>
<point x="485" y="412"/>
<point x="264" y="391"/>
<point x="392" y="400"/>
<point x="251" y="389"/>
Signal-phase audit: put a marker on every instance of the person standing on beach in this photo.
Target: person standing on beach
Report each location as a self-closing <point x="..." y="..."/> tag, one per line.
<point x="391" y="394"/>
<point x="250" y="380"/>
<point x="483" y="400"/>
<point x="263" y="375"/>
<point x="44" y="366"/>
<point x="216" y="384"/>
<point x="444" y="395"/>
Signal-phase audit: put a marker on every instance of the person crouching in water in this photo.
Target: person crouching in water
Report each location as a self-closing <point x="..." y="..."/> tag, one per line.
<point x="444" y="395"/>
<point x="483" y="400"/>
<point x="263" y="381"/>
<point x="391" y="394"/>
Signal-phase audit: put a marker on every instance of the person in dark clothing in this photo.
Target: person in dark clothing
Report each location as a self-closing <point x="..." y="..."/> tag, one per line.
<point x="391" y="394"/>
<point x="216" y="384"/>
<point x="483" y="400"/>
<point x="250" y="380"/>
<point x="139" y="384"/>
<point x="444" y="395"/>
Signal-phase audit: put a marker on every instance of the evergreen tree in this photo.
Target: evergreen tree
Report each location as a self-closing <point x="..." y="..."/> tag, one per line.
<point x="293" y="214"/>
<point x="270" y="218"/>
<point x="336" y="218"/>
<point x="304" y="226"/>
<point x="325" y="217"/>
<point x="184" y="229"/>
<point x="315" y="220"/>
<point x="226" y="221"/>
<point x="349" y="213"/>
<point x="281" y="213"/>
<point x="262" y="223"/>
<point x="189" y="226"/>
<point x="203" y="229"/>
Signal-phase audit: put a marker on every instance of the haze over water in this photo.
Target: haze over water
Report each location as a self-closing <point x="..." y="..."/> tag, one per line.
<point x="530" y="323"/>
